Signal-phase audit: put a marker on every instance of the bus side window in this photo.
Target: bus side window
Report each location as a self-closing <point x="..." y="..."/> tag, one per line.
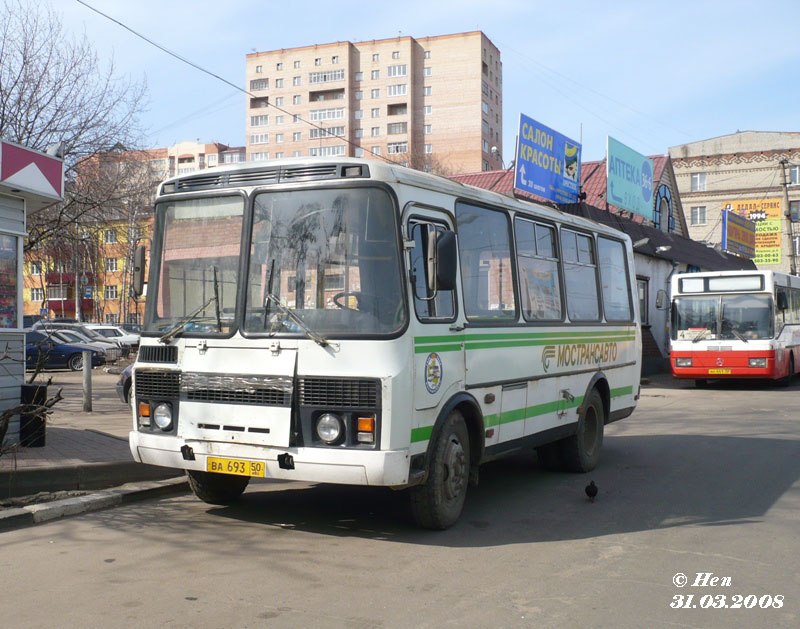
<point x="614" y="280"/>
<point x="540" y="288"/>
<point x="442" y="306"/>
<point x="580" y="276"/>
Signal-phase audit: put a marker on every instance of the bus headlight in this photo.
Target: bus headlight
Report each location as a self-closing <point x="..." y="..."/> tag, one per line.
<point x="162" y="416"/>
<point x="329" y="428"/>
<point x="683" y="362"/>
<point x="757" y="362"/>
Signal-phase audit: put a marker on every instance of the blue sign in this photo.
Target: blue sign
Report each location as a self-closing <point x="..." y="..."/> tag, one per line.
<point x="629" y="179"/>
<point x="43" y="312"/>
<point x="548" y="163"/>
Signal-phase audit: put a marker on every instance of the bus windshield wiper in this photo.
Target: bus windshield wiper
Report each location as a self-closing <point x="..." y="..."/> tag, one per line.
<point x="738" y="334"/>
<point x="318" y="339"/>
<point x="700" y="336"/>
<point x="178" y="327"/>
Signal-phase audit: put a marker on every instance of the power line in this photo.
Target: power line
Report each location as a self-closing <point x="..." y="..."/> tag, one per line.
<point x="296" y="117"/>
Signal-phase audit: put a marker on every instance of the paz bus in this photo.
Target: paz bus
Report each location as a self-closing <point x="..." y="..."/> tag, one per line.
<point x="735" y="324"/>
<point x="358" y="322"/>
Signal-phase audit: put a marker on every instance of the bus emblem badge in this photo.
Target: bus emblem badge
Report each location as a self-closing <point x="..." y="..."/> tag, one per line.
<point x="720" y="361"/>
<point x="433" y="373"/>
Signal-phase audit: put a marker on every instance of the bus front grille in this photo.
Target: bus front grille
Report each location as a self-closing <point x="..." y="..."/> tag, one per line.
<point x="237" y="389"/>
<point x="158" y="384"/>
<point x="340" y="392"/>
<point x="158" y="354"/>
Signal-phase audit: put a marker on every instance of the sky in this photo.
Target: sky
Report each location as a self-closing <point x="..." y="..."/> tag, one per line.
<point x="652" y="75"/>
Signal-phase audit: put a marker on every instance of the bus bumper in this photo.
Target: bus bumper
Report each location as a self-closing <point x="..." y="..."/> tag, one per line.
<point x="712" y="365"/>
<point x="322" y="465"/>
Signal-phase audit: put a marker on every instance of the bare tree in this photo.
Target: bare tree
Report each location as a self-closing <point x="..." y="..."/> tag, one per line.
<point x="54" y="90"/>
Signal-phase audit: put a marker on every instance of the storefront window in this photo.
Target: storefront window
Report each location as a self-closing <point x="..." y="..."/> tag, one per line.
<point x="8" y="281"/>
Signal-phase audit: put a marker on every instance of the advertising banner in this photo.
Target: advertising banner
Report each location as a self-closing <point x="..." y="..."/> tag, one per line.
<point x="738" y="234"/>
<point x="548" y="163"/>
<point x="629" y="179"/>
<point x="766" y="214"/>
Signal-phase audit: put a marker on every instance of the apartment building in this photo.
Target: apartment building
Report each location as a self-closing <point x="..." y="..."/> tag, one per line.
<point x="755" y="174"/>
<point x="433" y="103"/>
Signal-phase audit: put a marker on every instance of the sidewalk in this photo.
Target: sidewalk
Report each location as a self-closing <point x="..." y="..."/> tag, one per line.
<point x="82" y="450"/>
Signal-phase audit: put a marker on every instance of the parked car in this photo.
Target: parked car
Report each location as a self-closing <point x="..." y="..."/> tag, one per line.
<point x="87" y="336"/>
<point x="115" y="333"/>
<point x="43" y="350"/>
<point x="93" y="335"/>
<point x="133" y="328"/>
<point x="111" y="350"/>
<point x="124" y="384"/>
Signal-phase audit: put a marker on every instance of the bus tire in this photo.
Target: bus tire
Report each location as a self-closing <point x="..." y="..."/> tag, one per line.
<point x="437" y="503"/>
<point x="216" y="489"/>
<point x="581" y="451"/>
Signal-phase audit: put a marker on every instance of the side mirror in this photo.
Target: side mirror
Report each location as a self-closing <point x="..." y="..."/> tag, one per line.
<point x="783" y="302"/>
<point x="661" y="299"/>
<point x="442" y="260"/>
<point x="137" y="286"/>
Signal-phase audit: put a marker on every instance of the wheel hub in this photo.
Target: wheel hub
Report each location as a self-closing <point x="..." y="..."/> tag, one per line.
<point x="455" y="467"/>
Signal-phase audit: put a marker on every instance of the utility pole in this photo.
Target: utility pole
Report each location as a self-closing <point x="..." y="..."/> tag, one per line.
<point x="787" y="216"/>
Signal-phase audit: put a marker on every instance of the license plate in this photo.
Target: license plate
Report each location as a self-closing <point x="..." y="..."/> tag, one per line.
<point x="238" y="467"/>
<point x="719" y="372"/>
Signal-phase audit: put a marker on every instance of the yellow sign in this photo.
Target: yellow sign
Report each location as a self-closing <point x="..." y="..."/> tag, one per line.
<point x="766" y="214"/>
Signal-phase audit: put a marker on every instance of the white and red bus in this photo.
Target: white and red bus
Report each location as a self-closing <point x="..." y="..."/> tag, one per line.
<point x="735" y="324"/>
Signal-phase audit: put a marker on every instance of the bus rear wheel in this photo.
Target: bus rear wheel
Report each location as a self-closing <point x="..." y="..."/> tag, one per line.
<point x="581" y="451"/>
<point x="216" y="489"/>
<point x="437" y="503"/>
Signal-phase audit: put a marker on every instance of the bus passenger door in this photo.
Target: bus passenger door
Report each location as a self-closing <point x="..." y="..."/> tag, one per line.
<point x="438" y="344"/>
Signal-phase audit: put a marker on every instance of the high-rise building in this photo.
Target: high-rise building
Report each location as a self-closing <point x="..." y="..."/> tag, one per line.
<point x="433" y="103"/>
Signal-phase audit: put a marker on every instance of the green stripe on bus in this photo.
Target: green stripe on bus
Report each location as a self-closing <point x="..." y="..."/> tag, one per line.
<point x="520" y="414"/>
<point x="453" y="338"/>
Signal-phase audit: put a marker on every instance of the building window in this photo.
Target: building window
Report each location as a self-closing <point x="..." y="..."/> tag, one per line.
<point x="427" y="71"/>
<point x="359" y="94"/>
<point x="297" y="136"/>
<point x="427" y="110"/>
<point x="426" y="129"/>
<point x="485" y="146"/>
<point x="359" y="76"/>
<point x="427" y="54"/>
<point x="429" y="149"/>
<point x="698" y="182"/>
<point x="296" y="65"/>
<point x="110" y="265"/>
<point x="112" y="319"/>
<point x="395" y="128"/>
<point x="396" y="54"/>
<point x="297" y="99"/>
<point x="279" y="138"/>
<point x="36" y="268"/>
<point x="794" y="215"/>
<point x="794" y="175"/>
<point x="331" y="113"/>
<point x="698" y="215"/>
<point x="375" y="57"/>
<point x="296" y="80"/>
<point x="376" y="74"/>
<point x="57" y="292"/>
<point x="395" y="148"/>
<point x="259" y="157"/>
<point x="325" y="76"/>
<point x="376" y="93"/>
<point x="37" y="294"/>
<point x="359" y="152"/>
<point x="279" y="155"/>
<point x="397" y="90"/>
<point x="278" y="83"/>
<point x="110" y="292"/>
<point x="296" y="154"/>
<point x="279" y="66"/>
<point x="375" y="131"/>
<point x="278" y="120"/>
<point x="327" y="151"/>
<point x="359" y="133"/>
<point x="279" y="101"/>
<point x="358" y="114"/>
<point x="376" y="112"/>
<point x="318" y="61"/>
<point x="259" y="121"/>
<point x="259" y="84"/>
<point x="398" y="70"/>
<point x="663" y="206"/>
<point x="335" y="59"/>
<point x="426" y="91"/>
<point x="330" y="132"/>
<point x="110" y="236"/>
<point x="259" y="69"/>
<point x="643" y="288"/>
<point x="484" y="107"/>
<point x="376" y="150"/>
<point x="296" y="118"/>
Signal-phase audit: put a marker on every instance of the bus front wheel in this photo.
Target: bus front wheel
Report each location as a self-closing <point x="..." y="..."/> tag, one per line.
<point x="581" y="451"/>
<point x="216" y="489"/>
<point x="438" y="502"/>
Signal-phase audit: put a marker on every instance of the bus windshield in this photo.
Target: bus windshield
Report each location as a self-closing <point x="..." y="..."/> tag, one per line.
<point x="196" y="272"/>
<point x="727" y="317"/>
<point x="329" y="256"/>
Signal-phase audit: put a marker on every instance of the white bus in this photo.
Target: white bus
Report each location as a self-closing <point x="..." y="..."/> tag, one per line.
<point x="358" y="322"/>
<point x="735" y="324"/>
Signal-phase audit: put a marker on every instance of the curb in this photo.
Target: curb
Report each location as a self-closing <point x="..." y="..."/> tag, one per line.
<point x="30" y="515"/>
<point x="87" y="476"/>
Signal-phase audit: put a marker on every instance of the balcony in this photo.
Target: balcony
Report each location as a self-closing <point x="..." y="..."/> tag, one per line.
<point x="56" y="277"/>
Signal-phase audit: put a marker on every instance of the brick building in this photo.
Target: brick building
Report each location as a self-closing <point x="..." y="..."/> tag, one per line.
<point x="433" y="103"/>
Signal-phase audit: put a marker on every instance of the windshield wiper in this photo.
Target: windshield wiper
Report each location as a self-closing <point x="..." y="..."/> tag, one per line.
<point x="702" y="335"/>
<point x="174" y="330"/>
<point x="738" y="335"/>
<point x="318" y="339"/>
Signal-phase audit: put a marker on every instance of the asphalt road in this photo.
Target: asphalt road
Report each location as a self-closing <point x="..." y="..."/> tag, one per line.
<point x="694" y="482"/>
